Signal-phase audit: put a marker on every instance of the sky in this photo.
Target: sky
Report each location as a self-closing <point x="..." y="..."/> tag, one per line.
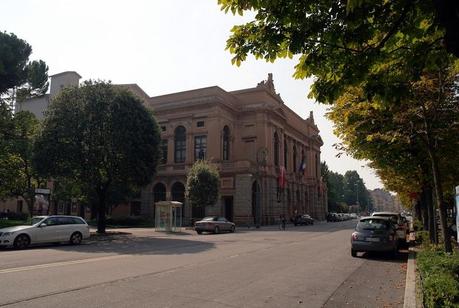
<point x="164" y="47"/>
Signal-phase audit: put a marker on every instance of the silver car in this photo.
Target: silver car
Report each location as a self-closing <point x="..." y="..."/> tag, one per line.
<point x="214" y="224"/>
<point x="46" y="229"/>
<point x="374" y="234"/>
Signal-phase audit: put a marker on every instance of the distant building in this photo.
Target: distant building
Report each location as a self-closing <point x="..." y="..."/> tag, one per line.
<point x="384" y="201"/>
<point x="267" y="155"/>
<point x="38" y="105"/>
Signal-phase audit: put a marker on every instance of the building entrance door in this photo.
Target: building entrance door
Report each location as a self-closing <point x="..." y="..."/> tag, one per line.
<point x="228" y="202"/>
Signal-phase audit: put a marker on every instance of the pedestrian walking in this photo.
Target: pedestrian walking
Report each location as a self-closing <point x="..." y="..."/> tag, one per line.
<point x="283" y="222"/>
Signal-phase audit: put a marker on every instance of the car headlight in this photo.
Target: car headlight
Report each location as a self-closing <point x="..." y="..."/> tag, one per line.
<point x="7" y="233"/>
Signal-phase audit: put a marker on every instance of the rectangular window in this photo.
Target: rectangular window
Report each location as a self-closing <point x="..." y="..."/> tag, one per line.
<point x="200" y="147"/>
<point x="164" y="151"/>
<point x="200" y="124"/>
<point x="180" y="151"/>
<point x="163" y="128"/>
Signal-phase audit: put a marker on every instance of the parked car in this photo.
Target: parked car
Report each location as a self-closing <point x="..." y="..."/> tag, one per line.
<point x="332" y="217"/>
<point x="303" y="220"/>
<point x="400" y="222"/>
<point x="46" y="229"/>
<point x="374" y="233"/>
<point x="214" y="224"/>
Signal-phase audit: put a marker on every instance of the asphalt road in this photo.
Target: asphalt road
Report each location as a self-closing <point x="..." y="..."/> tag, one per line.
<point x="306" y="266"/>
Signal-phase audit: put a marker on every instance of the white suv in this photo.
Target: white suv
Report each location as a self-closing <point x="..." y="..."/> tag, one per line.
<point x="46" y="229"/>
<point x="400" y="224"/>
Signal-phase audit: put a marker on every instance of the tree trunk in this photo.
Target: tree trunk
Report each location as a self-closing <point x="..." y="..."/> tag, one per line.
<point x="424" y="210"/>
<point x="29" y="201"/>
<point x="432" y="226"/>
<point x="439" y="195"/>
<point x="101" y="210"/>
<point x="417" y="211"/>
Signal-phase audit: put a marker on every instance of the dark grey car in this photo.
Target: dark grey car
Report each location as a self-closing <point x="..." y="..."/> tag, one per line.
<point x="214" y="224"/>
<point x="374" y="234"/>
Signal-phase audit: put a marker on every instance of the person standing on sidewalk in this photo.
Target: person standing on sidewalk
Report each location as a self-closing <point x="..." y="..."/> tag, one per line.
<point x="283" y="222"/>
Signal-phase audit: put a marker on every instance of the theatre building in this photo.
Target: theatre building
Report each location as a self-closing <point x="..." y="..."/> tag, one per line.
<point x="268" y="156"/>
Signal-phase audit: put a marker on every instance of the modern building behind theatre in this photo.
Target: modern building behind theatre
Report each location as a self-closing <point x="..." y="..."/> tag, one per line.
<point x="267" y="155"/>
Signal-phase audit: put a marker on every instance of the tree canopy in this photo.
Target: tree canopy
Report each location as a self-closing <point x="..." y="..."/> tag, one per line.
<point x="202" y="184"/>
<point x="19" y="78"/>
<point x="101" y="136"/>
<point x="377" y="45"/>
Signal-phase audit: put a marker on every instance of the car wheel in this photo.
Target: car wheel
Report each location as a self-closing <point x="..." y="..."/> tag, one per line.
<point x="76" y="238"/>
<point x="22" y="241"/>
<point x="199" y="232"/>
<point x="233" y="229"/>
<point x="353" y="253"/>
<point x="217" y="230"/>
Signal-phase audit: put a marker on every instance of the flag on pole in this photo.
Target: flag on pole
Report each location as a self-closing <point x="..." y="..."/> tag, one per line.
<point x="282" y="180"/>
<point x="302" y="166"/>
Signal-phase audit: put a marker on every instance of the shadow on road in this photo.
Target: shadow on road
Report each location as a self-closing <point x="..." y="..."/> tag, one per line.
<point x="400" y="257"/>
<point x="320" y="227"/>
<point x="134" y="245"/>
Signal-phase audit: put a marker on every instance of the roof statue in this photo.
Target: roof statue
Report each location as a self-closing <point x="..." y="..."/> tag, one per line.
<point x="268" y="84"/>
<point x="311" y="117"/>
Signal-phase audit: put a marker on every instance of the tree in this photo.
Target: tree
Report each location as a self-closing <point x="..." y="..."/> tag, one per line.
<point x="100" y="136"/>
<point x="375" y="44"/>
<point x="36" y="83"/>
<point x="14" y="54"/>
<point x="19" y="78"/>
<point x="202" y="184"/>
<point x="402" y="140"/>
<point x="18" y="177"/>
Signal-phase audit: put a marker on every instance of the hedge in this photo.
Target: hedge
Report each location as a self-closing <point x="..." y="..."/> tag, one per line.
<point x="439" y="278"/>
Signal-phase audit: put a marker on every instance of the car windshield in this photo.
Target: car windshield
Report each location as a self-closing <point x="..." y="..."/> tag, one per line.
<point x="208" y="219"/>
<point x="391" y="216"/>
<point x="36" y="220"/>
<point x="372" y="224"/>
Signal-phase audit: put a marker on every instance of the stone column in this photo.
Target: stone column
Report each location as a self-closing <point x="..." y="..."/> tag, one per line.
<point x="243" y="199"/>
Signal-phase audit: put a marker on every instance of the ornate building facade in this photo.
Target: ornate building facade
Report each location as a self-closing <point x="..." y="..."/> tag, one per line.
<point x="268" y="156"/>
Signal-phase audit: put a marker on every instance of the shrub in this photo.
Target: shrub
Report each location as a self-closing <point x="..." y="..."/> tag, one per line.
<point x="440" y="278"/>
<point x="422" y="237"/>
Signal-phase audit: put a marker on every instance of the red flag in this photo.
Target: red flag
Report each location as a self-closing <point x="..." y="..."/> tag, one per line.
<point x="282" y="180"/>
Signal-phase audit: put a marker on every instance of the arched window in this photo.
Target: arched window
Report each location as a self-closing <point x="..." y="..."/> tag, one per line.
<point x="180" y="144"/>
<point x="276" y="149"/>
<point x="285" y="154"/>
<point x="226" y="143"/>
<point x="294" y="158"/>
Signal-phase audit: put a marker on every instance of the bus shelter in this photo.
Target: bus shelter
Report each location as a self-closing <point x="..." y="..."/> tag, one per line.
<point x="168" y="216"/>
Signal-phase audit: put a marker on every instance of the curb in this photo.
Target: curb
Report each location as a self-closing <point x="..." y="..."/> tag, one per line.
<point x="409" y="300"/>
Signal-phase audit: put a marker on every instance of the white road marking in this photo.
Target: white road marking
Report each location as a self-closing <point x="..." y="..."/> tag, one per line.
<point x="56" y="264"/>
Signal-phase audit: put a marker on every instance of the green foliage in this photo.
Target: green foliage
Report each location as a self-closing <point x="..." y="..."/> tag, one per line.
<point x="36" y="82"/>
<point x="17" y="135"/>
<point x="422" y="238"/>
<point x="20" y="79"/>
<point x="440" y="278"/>
<point x="14" y="54"/>
<point x="100" y="136"/>
<point x="6" y="223"/>
<point x="377" y="44"/>
<point x="202" y="185"/>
